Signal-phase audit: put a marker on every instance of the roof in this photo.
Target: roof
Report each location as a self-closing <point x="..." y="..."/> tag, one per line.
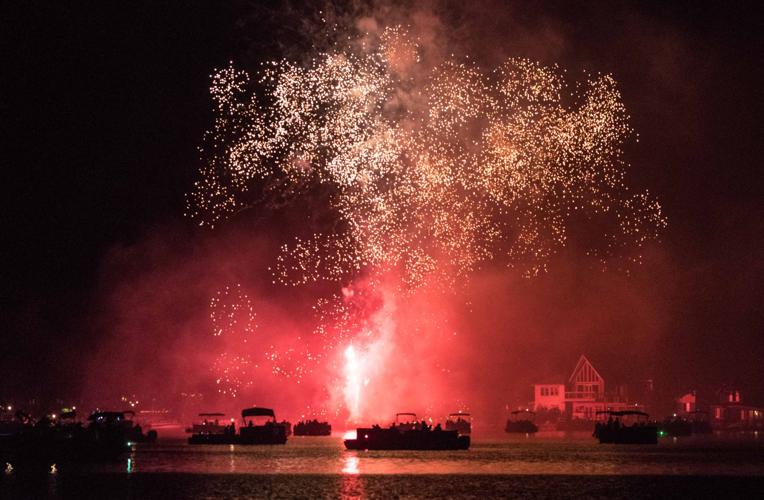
<point x="257" y="412"/>
<point x="583" y="361"/>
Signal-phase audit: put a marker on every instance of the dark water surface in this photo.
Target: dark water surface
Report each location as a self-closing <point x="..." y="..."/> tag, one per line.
<point x="320" y="468"/>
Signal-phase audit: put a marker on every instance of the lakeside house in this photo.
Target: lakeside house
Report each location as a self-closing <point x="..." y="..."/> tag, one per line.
<point x="583" y="395"/>
<point x="729" y="413"/>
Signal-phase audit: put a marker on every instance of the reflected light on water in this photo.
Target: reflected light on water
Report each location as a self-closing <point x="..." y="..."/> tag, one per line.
<point x="53" y="469"/>
<point x="352" y="487"/>
<point x="8" y="468"/>
<point x="129" y="465"/>
<point x="351" y="466"/>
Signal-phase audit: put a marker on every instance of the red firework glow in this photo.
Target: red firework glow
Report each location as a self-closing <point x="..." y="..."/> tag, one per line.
<point x="450" y="187"/>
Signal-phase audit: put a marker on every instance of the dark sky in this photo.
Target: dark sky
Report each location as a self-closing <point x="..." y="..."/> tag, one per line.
<point x="103" y="107"/>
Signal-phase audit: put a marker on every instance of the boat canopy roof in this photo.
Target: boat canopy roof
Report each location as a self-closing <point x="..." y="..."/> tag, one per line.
<point x="212" y="414"/>
<point x="623" y="413"/>
<point x="459" y="415"/>
<point x="257" y="412"/>
<point x="522" y="411"/>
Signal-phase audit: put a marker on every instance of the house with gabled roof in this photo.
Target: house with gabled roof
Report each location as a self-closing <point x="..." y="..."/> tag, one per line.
<point x="582" y="396"/>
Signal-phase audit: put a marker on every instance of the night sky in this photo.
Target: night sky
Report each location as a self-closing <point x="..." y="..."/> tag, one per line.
<point x="103" y="107"/>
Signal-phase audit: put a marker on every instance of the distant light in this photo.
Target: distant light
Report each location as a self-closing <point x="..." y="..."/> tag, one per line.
<point x="10" y="407"/>
<point x="53" y="416"/>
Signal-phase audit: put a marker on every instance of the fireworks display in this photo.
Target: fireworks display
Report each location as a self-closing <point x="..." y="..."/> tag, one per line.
<point x="432" y="171"/>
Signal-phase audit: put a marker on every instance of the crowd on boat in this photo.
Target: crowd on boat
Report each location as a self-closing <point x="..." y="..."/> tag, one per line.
<point x="312" y="428"/>
<point x="618" y="430"/>
<point x="407" y="433"/>
<point x="615" y="424"/>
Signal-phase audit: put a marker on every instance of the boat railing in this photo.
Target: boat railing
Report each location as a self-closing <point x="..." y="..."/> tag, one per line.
<point x="581" y="395"/>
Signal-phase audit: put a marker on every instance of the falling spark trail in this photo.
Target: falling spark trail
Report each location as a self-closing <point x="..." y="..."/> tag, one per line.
<point x="352" y="382"/>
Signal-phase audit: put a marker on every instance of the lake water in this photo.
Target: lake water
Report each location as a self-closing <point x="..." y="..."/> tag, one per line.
<point x="314" y="467"/>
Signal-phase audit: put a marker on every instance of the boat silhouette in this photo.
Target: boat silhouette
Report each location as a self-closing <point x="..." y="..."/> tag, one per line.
<point x="407" y="435"/>
<point x="625" y="427"/>
<point x="210" y="430"/>
<point x="312" y="428"/>
<point x="258" y="426"/>
<point x="461" y="422"/>
<point x="521" y="422"/>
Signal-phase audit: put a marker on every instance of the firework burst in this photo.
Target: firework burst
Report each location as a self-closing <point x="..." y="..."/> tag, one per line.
<point x="476" y="167"/>
<point x="432" y="171"/>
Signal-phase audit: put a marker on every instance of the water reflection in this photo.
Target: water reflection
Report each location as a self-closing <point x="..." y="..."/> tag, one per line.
<point x="519" y="456"/>
<point x="352" y="484"/>
<point x="351" y="465"/>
